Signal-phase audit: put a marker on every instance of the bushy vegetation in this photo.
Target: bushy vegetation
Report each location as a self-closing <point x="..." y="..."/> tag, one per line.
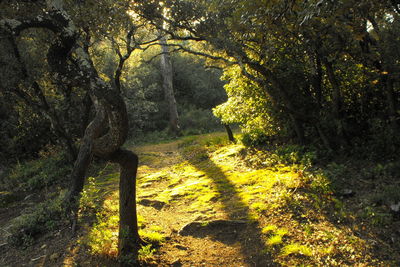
<point x="195" y="120"/>
<point x="38" y="174"/>
<point x="313" y="85"/>
<point x="306" y="210"/>
<point x="44" y="218"/>
<point x="197" y="91"/>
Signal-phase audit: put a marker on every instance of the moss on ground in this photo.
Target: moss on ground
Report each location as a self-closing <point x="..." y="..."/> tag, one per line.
<point x="301" y="220"/>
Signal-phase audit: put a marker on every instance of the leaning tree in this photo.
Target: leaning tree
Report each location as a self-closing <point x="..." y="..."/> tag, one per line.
<point x="70" y="64"/>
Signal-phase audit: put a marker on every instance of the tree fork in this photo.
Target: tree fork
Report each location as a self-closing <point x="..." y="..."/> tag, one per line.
<point x="108" y="130"/>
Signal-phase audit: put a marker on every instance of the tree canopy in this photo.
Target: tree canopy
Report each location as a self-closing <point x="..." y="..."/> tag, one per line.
<point x="85" y="76"/>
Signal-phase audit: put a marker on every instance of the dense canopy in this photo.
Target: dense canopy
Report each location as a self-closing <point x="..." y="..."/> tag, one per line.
<point x="83" y="77"/>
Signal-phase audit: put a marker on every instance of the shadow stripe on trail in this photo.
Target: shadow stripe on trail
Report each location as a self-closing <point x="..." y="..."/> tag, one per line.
<point x="252" y="246"/>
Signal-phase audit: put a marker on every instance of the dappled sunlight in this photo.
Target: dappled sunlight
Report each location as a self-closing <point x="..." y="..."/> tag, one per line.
<point x="290" y="216"/>
<point x="230" y="198"/>
<point x="296" y="203"/>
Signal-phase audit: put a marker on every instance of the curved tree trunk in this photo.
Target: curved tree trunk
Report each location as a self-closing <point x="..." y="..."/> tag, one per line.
<point x="71" y="63"/>
<point x="129" y="241"/>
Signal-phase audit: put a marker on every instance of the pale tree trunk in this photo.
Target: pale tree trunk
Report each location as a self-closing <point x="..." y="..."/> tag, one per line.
<point x="167" y="75"/>
<point x="336" y="103"/>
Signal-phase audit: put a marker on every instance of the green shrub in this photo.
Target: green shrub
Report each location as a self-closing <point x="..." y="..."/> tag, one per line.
<point x="46" y="217"/>
<point x="37" y="174"/>
<point x="254" y="138"/>
<point x="197" y="121"/>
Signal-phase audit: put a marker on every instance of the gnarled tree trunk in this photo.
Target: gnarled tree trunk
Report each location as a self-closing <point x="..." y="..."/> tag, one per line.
<point x="70" y="62"/>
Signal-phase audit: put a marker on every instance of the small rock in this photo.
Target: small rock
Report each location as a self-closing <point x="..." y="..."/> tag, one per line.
<point x="38" y="258"/>
<point x="29" y="196"/>
<point x="54" y="256"/>
<point x="345" y="193"/>
<point x="44" y="246"/>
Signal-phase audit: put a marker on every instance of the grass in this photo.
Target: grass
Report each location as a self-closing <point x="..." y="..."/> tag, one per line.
<point x="302" y="219"/>
<point x="282" y="185"/>
<point x="295" y="248"/>
<point x="37" y="174"/>
<point x="45" y="217"/>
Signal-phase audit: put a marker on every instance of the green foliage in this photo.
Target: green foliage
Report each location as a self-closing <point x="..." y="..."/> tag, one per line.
<point x="256" y="137"/>
<point x="296" y="248"/>
<point x="376" y="217"/>
<point x="45" y="217"/>
<point x="318" y="80"/>
<point x="146" y="252"/>
<point x="194" y="85"/>
<point x="197" y="121"/>
<point x="152" y="235"/>
<point x="37" y="174"/>
<point x="248" y="106"/>
<point x="197" y="90"/>
<point x="89" y="196"/>
<point x="24" y="132"/>
<point x="294" y="155"/>
<point x="382" y="142"/>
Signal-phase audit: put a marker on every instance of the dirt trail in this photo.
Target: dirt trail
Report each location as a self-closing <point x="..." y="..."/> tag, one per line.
<point x="228" y="239"/>
<point x="200" y="204"/>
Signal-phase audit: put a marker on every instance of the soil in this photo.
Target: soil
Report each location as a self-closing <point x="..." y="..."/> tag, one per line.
<point x="207" y="237"/>
<point x="221" y="242"/>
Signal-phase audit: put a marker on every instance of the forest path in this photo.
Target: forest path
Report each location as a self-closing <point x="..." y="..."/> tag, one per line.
<point x="203" y="201"/>
<point x="184" y="192"/>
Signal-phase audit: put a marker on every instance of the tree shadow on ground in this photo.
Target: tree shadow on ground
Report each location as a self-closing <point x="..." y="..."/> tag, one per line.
<point x="239" y="228"/>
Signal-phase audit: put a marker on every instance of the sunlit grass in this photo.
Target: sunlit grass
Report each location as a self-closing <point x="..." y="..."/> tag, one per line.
<point x="296" y="248"/>
<point x="153" y="237"/>
<point x="274" y="240"/>
<point x="294" y="208"/>
<point x="146" y="252"/>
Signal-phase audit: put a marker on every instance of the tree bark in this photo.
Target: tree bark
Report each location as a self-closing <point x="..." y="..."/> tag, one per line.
<point x="129" y="241"/>
<point x="229" y="132"/>
<point x="78" y="175"/>
<point x="391" y="101"/>
<point x="336" y="103"/>
<point x="167" y="75"/>
<point x="70" y="62"/>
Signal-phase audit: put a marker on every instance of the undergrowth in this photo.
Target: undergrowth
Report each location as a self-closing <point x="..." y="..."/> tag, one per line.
<point x="37" y="174"/>
<point x="307" y="213"/>
<point x="43" y="218"/>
